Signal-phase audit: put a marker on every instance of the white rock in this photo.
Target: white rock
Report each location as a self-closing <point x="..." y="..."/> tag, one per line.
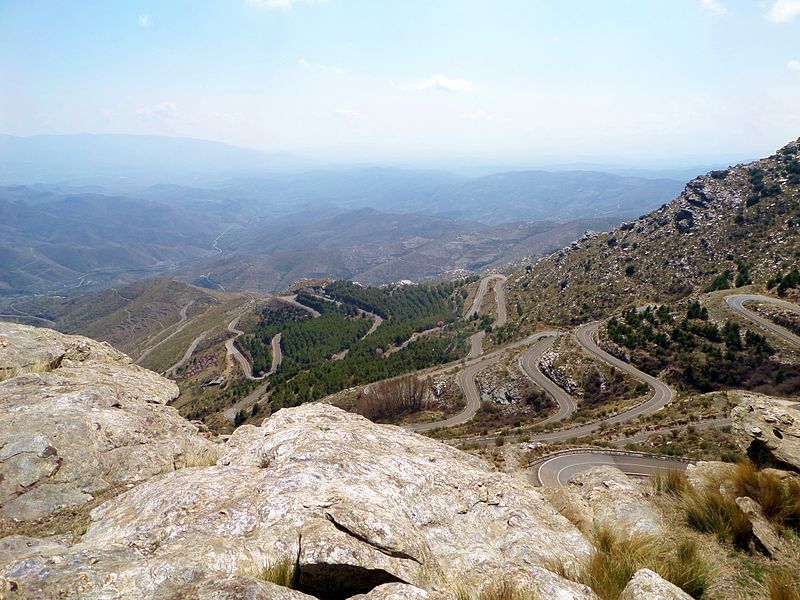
<point x="647" y="585"/>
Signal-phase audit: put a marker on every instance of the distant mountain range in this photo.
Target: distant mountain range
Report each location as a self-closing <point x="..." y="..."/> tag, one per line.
<point x="102" y="210"/>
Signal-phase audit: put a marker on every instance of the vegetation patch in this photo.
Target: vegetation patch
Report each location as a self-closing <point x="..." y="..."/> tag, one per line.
<point x="698" y="354"/>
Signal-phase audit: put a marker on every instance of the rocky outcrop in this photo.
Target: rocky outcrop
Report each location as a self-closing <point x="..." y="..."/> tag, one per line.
<point x="547" y="366"/>
<point x="763" y="531"/>
<point x="354" y="507"/>
<point x="615" y="500"/>
<point x="764" y="425"/>
<point x="77" y="418"/>
<point x="703" y="474"/>
<point x="648" y="585"/>
<point x="504" y="387"/>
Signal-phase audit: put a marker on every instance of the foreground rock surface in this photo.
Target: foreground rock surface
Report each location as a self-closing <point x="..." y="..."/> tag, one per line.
<point x="761" y="423"/>
<point x="353" y="504"/>
<point x="76" y="418"/>
<point x="647" y="585"/>
<point x="615" y="500"/>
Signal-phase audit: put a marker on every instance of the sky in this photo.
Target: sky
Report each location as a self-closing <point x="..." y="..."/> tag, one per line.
<point x="387" y="80"/>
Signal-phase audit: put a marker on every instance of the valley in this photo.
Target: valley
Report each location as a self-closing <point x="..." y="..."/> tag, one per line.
<point x="340" y="300"/>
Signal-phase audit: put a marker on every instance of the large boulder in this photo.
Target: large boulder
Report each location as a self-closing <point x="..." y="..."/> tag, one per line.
<point x="350" y="504"/>
<point x="763" y="531"/>
<point x="77" y="418"/>
<point x="764" y="424"/>
<point x="615" y="500"/>
<point x="648" y="585"/>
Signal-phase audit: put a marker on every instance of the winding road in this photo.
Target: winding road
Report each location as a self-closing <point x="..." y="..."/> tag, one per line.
<point x="247" y="369"/>
<point x="466" y="381"/>
<point x="557" y="469"/>
<point x="483" y="287"/>
<point x="181" y="323"/>
<point x="736" y="302"/>
<point x="293" y="301"/>
<point x="529" y="363"/>
<point x="186" y="355"/>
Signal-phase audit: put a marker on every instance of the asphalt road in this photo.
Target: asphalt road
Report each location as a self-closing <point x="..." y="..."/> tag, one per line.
<point x="476" y="344"/>
<point x="293" y="301"/>
<point x="736" y="302"/>
<point x="500" y="298"/>
<point x="230" y="346"/>
<point x="189" y="351"/>
<point x="558" y="469"/>
<point x="466" y="381"/>
<point x="529" y="363"/>
<point x="662" y="393"/>
<point x="483" y="287"/>
<point x="181" y="323"/>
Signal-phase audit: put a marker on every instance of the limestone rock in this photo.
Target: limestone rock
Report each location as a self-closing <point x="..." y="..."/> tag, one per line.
<point x="760" y="422"/>
<point x="647" y="585"/>
<point x="230" y="588"/>
<point x="615" y="499"/>
<point x="572" y="505"/>
<point x="705" y="472"/>
<point x="763" y="530"/>
<point x="354" y="504"/>
<point x="394" y="591"/>
<point x="76" y="417"/>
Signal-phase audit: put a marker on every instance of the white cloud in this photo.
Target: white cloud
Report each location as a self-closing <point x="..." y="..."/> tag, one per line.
<point x="783" y="11"/>
<point x="445" y="84"/>
<point x="335" y="70"/>
<point x="714" y="6"/>
<point x="164" y="111"/>
<point x="478" y="115"/>
<point x="282" y="4"/>
<point x="145" y="20"/>
<point x="347" y="113"/>
<point x="793" y="65"/>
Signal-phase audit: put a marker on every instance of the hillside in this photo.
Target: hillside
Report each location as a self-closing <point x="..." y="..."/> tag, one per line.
<point x="152" y="320"/>
<point x="375" y="248"/>
<point x="737" y="225"/>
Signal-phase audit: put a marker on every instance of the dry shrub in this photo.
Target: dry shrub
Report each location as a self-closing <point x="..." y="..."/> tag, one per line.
<point x="500" y="590"/>
<point x="618" y="555"/>
<point x="393" y="397"/>
<point x="779" y="499"/>
<point x="782" y="585"/>
<point x="707" y="510"/>
<point x="670" y="481"/>
<point x="283" y="573"/>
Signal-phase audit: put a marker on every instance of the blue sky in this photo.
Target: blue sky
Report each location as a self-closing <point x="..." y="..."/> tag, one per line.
<point x="513" y="80"/>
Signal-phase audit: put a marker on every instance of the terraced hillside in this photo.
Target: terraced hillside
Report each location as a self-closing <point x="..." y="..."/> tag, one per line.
<point x="153" y="320"/>
<point x="727" y="228"/>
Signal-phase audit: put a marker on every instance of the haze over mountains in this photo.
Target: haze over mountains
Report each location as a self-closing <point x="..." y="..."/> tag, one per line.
<point x="101" y="210"/>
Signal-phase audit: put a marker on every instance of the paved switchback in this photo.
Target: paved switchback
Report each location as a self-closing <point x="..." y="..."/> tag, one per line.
<point x="529" y="363"/>
<point x="558" y="468"/>
<point x="466" y="381"/>
<point x="736" y="302"/>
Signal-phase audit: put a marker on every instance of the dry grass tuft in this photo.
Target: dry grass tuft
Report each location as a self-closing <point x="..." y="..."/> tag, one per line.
<point x="686" y="568"/>
<point x="500" y="590"/>
<point x="618" y="555"/>
<point x="670" y="482"/>
<point x="202" y="457"/>
<point x="779" y="499"/>
<point x="282" y="572"/>
<point x="707" y="510"/>
<point x="782" y="585"/>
